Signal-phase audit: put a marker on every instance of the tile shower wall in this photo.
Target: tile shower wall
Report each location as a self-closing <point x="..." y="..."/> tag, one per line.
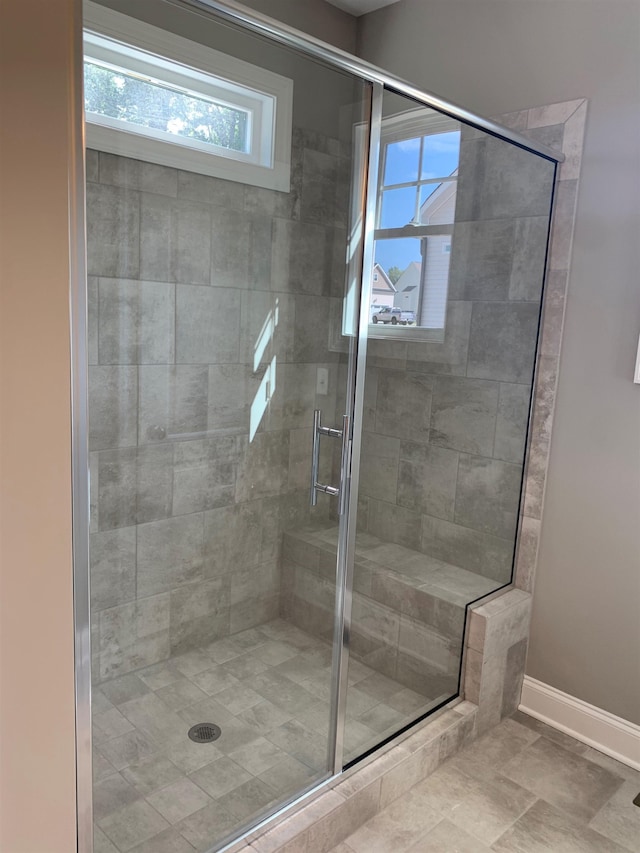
<point x="208" y="313"/>
<point x="445" y="422"/>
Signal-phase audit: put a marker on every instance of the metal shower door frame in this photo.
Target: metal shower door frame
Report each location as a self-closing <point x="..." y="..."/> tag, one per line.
<point x="355" y="410"/>
<point x="228" y="10"/>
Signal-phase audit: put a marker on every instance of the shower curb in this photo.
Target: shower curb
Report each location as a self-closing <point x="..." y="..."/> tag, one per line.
<point x="357" y="795"/>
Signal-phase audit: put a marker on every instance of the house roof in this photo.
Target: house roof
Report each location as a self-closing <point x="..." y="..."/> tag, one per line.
<point x="409" y="278"/>
<point x="383" y="283"/>
<point x="437" y="200"/>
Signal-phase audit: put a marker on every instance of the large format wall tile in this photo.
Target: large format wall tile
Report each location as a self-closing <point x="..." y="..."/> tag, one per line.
<point x="203" y="487"/>
<point x="232" y="538"/>
<point x="319" y="188"/>
<point x="379" y="467"/>
<point x="527" y="273"/>
<point x="267" y="326"/>
<point x="463" y="414"/>
<point x="204" y="474"/>
<point x="92" y="319"/>
<point x="481" y="260"/>
<point x="134" y="635"/>
<point x="263" y="466"/>
<point x="427" y="479"/>
<point x="240" y="249"/>
<point x="137" y="175"/>
<point x="136" y="322"/>
<point x="311" y="329"/>
<point x="507" y="181"/>
<point x="299" y="466"/>
<point x="232" y="389"/>
<point x="113" y="231"/>
<point x="403" y="404"/>
<point x="113" y="567"/>
<point x="113" y="398"/>
<point x="292" y="397"/>
<point x="298" y="257"/>
<point x="216" y="191"/>
<point x="207" y="325"/>
<point x="173" y="401"/>
<point x="450" y="356"/>
<point x="254" y="582"/>
<point x="487" y="495"/>
<point x="175" y="240"/>
<point x="170" y="553"/>
<point x="394" y="523"/>
<point x="199" y="613"/>
<point x="511" y="423"/>
<point x="503" y="340"/>
<point x="473" y="550"/>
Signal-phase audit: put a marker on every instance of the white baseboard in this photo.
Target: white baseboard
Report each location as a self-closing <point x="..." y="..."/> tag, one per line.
<point x="597" y="728"/>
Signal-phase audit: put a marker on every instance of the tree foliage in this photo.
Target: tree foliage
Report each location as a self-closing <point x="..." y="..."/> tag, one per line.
<point x="120" y="96"/>
<point x="394" y="274"/>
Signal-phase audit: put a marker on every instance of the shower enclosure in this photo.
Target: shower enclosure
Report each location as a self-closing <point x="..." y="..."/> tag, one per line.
<point x="313" y="307"/>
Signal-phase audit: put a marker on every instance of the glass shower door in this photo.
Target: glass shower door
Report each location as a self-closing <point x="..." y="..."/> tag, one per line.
<point x="246" y="640"/>
<point x="452" y="314"/>
<point x="214" y="310"/>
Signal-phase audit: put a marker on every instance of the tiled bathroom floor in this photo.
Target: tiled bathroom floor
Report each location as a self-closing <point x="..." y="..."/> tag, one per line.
<point x="523" y="788"/>
<point x="268" y="689"/>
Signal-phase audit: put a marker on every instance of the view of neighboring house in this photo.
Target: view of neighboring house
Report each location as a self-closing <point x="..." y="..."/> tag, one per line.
<point x="408" y="287"/>
<point x="383" y="290"/>
<point x="423" y="286"/>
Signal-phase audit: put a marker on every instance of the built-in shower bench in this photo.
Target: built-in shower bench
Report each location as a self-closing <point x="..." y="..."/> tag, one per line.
<point x="408" y="608"/>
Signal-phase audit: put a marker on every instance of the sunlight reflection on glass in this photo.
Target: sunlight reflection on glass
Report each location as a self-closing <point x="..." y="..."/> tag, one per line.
<point x="267" y="387"/>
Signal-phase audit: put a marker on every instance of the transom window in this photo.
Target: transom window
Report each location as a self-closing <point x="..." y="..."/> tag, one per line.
<point x="172" y="101"/>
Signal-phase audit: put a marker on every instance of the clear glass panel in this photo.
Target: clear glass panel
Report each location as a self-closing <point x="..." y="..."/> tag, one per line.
<point x="446" y="405"/>
<point x="215" y="332"/>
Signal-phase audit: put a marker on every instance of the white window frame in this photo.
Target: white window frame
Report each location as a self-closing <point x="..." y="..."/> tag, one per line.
<point x="121" y="41"/>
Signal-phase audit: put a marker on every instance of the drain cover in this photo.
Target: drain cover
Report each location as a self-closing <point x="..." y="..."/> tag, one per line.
<point x="204" y="732"/>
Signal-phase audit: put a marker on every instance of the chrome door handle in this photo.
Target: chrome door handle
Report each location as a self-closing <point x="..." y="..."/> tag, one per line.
<point x="345" y="464"/>
<point x="316" y="486"/>
<point x="315" y="456"/>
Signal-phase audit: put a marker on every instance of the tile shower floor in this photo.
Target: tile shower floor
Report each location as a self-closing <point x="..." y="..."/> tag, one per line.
<point x="268" y="689"/>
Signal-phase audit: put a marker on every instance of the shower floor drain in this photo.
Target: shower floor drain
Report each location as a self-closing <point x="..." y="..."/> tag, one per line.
<point x="204" y="732"/>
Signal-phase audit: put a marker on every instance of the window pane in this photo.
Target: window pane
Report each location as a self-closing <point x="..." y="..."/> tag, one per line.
<point x="398" y="284"/>
<point x="401" y="162"/>
<point x="438" y="203"/>
<point x="398" y="207"/>
<point x="394" y="256"/>
<point x="149" y="103"/>
<point x="441" y="152"/>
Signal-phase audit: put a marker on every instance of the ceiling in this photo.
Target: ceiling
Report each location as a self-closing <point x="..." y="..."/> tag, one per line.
<point x="360" y="7"/>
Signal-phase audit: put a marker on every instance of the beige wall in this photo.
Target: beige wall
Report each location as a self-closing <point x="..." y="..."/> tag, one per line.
<point x="496" y="56"/>
<point x="37" y="773"/>
<point x="315" y="17"/>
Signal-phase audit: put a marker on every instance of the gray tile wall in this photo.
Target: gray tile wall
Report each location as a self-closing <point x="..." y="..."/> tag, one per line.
<point x="446" y="422"/>
<point x="188" y="504"/>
